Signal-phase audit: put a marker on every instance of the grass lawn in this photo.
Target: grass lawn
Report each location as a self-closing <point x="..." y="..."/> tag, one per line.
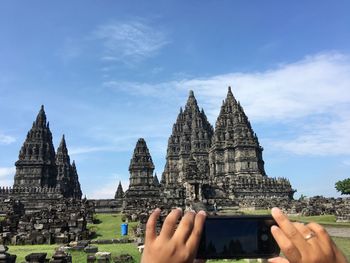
<point x="344" y="244"/>
<point x="109" y="226"/>
<point x="328" y="220"/>
<point x="22" y="251"/>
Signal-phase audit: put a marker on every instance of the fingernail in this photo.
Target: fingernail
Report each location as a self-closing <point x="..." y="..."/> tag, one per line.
<point x="274" y="228"/>
<point x="202" y="213"/>
<point x="179" y="208"/>
<point x="276" y="210"/>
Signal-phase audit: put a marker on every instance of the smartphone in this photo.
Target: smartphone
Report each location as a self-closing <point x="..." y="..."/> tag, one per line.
<point x="236" y="237"/>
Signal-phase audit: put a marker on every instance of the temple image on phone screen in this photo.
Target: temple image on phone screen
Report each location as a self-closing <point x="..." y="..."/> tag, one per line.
<point x="234" y="238"/>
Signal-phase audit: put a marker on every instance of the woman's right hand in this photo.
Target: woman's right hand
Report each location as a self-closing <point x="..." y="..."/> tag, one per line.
<point x="303" y="243"/>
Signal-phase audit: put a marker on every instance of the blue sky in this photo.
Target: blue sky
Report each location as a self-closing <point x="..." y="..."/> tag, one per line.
<point x="110" y="72"/>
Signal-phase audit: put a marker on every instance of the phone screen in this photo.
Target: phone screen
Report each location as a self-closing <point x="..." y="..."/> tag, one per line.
<point x="237" y="237"/>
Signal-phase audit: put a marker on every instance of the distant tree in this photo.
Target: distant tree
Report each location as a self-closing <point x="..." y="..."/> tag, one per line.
<point x="343" y="186"/>
<point x="302" y="197"/>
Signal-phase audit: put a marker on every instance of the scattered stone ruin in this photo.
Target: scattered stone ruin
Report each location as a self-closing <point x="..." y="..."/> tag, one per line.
<point x="60" y="222"/>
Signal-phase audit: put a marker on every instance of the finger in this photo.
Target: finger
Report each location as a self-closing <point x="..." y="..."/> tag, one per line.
<point x="286" y="245"/>
<point x="305" y="231"/>
<point x="193" y="240"/>
<point x="289" y="229"/>
<point x="151" y="233"/>
<point x="278" y="260"/>
<point x="324" y="240"/>
<point x="185" y="227"/>
<point x="169" y="225"/>
<point x="339" y="256"/>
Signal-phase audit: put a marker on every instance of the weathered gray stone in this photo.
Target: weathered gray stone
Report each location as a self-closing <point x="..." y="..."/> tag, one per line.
<point x="3" y="249"/>
<point x="91" y="249"/>
<point x="36" y="257"/>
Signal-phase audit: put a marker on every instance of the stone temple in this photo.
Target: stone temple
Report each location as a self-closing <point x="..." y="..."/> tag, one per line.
<point x="43" y="175"/>
<point x="205" y="166"/>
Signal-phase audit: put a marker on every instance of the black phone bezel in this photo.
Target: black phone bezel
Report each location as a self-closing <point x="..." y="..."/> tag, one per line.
<point x="276" y="250"/>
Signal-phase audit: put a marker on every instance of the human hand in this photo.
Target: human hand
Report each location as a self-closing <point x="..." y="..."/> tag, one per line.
<point x="303" y="243"/>
<point x="178" y="246"/>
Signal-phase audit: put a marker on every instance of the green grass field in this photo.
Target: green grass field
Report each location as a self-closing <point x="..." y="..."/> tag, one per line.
<point x="326" y="220"/>
<point x="109" y="228"/>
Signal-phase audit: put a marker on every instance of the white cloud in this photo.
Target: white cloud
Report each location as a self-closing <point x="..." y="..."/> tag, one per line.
<point x="313" y="85"/>
<point x="130" y="42"/>
<point x="6" y="139"/>
<point x="6" y="175"/>
<point x="319" y="139"/>
<point x="313" y="93"/>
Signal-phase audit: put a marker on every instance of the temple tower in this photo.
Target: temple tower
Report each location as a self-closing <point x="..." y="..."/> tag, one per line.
<point x="119" y="194"/>
<point x="63" y="168"/>
<point x="67" y="176"/>
<point x="142" y="192"/>
<point x="77" y="193"/>
<point x="36" y="162"/>
<point x="190" y="140"/>
<point x="141" y="166"/>
<point x="235" y="149"/>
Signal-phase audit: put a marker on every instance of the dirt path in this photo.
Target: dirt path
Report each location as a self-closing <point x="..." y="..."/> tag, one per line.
<point x="338" y="231"/>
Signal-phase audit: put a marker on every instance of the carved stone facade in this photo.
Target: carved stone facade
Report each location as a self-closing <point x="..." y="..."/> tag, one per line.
<point x="67" y="176"/>
<point x="142" y="192"/>
<point x="206" y="167"/>
<point x="41" y="174"/>
<point x="187" y="166"/>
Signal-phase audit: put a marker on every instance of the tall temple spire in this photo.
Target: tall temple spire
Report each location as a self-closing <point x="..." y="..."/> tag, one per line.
<point x="62" y="151"/>
<point x="142" y="191"/>
<point x="230" y="95"/>
<point x="155" y="180"/>
<point x="190" y="138"/>
<point x="36" y="163"/>
<point x="76" y="192"/>
<point x="64" y="172"/>
<point x="119" y="194"/>
<point x="191" y="102"/>
<point x="141" y="165"/>
<point x="41" y="118"/>
<point x="233" y="133"/>
<point x="39" y="166"/>
<point x="67" y="175"/>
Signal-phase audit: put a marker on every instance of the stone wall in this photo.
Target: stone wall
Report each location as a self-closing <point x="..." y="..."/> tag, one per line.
<point x="33" y="199"/>
<point x="62" y="222"/>
<point x="107" y="205"/>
